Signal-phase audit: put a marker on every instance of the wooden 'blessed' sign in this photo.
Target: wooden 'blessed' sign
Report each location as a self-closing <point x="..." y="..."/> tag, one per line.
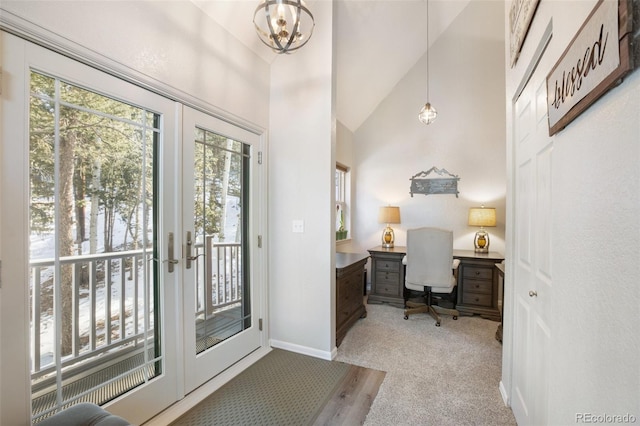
<point x="595" y="61"/>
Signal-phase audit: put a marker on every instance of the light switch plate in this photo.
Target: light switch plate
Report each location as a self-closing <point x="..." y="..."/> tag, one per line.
<point x="298" y="226"/>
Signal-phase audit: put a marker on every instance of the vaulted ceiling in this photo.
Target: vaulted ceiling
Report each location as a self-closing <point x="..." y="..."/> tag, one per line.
<point x="379" y="41"/>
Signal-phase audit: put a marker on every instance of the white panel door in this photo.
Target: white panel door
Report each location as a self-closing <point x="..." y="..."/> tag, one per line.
<point x="532" y="278"/>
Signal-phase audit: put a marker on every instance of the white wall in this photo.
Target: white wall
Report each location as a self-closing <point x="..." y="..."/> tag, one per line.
<point x="596" y="191"/>
<point x="344" y="144"/>
<point x="301" y="171"/>
<point x="466" y="87"/>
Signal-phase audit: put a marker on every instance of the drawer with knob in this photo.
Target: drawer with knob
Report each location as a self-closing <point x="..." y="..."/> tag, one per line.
<point x="478" y="273"/>
<point x="477" y="286"/>
<point x="387" y="266"/>
<point x="477" y="299"/>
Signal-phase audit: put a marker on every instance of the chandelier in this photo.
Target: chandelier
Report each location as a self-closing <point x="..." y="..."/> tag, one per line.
<point x="428" y="113"/>
<point x="283" y="25"/>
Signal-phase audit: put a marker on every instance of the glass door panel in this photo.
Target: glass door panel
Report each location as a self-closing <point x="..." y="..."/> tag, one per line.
<point x="221" y="310"/>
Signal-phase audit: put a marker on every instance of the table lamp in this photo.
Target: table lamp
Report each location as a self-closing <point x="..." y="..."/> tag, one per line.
<point x="482" y="216"/>
<point x="388" y="215"/>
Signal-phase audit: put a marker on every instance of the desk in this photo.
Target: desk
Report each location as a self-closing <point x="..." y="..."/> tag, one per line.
<point x="477" y="280"/>
<point x="349" y="299"/>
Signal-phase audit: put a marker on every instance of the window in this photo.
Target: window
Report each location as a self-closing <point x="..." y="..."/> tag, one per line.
<point x="342" y="202"/>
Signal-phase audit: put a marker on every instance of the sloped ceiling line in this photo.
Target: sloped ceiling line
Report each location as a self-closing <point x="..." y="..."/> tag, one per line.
<point x="380" y="40"/>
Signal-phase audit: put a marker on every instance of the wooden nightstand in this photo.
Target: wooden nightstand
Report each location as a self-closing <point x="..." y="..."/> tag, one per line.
<point x="387" y="275"/>
<point x="478" y="283"/>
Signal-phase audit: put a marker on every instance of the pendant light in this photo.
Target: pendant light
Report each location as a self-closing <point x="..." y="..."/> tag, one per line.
<point x="283" y="25"/>
<point x="427" y="113"/>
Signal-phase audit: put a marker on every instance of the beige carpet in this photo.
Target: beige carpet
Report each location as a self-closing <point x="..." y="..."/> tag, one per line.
<point x="446" y="375"/>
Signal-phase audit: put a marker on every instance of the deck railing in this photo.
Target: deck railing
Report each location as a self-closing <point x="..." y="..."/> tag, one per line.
<point x="108" y="293"/>
<point x="219" y="277"/>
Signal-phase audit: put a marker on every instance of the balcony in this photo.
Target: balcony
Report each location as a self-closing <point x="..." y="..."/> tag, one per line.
<point x="113" y="337"/>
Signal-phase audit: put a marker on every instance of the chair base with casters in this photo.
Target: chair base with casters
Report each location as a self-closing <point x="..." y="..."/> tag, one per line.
<point x="428" y="308"/>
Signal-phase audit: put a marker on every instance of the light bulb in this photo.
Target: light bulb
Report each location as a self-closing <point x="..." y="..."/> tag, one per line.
<point x="280" y="13"/>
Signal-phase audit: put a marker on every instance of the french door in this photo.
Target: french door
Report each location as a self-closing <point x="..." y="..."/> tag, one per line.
<point x="220" y="205"/>
<point x="91" y="156"/>
<point x="128" y="275"/>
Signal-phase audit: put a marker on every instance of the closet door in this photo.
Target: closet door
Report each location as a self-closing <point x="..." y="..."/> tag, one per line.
<point x="89" y="205"/>
<point x="532" y="276"/>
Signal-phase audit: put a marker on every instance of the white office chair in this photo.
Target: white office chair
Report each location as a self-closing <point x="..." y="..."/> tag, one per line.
<point x="430" y="269"/>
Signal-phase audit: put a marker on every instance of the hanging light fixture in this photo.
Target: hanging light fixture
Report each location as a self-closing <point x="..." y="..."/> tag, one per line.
<point x="427" y="113"/>
<point x="283" y="25"/>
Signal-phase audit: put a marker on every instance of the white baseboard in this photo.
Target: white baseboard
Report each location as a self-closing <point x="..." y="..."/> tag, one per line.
<point x="334" y="352"/>
<point x="503" y="392"/>
<point x="304" y="350"/>
<point x="178" y="409"/>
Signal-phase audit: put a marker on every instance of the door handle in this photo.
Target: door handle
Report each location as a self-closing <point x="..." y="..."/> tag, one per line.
<point x="189" y="258"/>
<point x="171" y="260"/>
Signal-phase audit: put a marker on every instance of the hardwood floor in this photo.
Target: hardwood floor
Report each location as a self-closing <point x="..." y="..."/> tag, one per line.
<point x="352" y="399"/>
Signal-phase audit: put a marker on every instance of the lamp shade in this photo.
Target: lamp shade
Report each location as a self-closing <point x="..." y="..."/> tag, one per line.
<point x="482" y="216"/>
<point x="389" y="214"/>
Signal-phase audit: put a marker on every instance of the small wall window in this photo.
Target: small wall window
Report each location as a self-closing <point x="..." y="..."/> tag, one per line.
<point x="342" y="205"/>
